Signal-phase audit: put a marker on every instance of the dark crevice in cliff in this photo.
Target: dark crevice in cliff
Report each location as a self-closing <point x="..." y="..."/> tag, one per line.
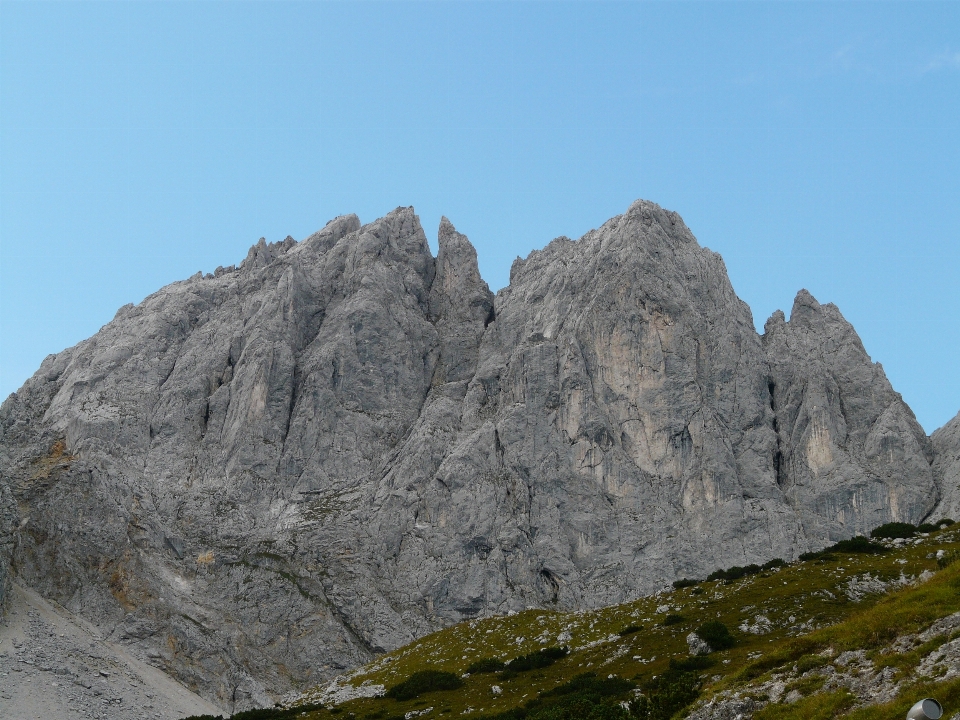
<point x="846" y="421"/>
<point x="206" y="418"/>
<point x="169" y="372"/>
<point x="552" y="583"/>
<point x="291" y="408"/>
<point x="778" y="453"/>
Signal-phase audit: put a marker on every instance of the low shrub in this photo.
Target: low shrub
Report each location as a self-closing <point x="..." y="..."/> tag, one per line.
<point x="894" y="530"/>
<point x="486" y="665"/>
<point x="668" y="693"/>
<point x="584" y="697"/>
<point x="266" y="714"/>
<point x="684" y="583"/>
<point x="858" y="544"/>
<point x="694" y="662"/>
<point x="673" y="619"/>
<point x="629" y="630"/>
<point x="734" y="573"/>
<point x="590" y="683"/>
<point x="545" y="657"/>
<point x="260" y="714"/>
<point x="274" y="713"/>
<point x="927" y="528"/>
<point x="424" y="681"/>
<point x="716" y="635"/>
<point x="945" y="522"/>
<point x="947" y="559"/>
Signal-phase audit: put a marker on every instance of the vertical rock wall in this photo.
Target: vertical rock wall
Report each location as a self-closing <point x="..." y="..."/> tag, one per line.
<point x="850" y="455"/>
<point x="946" y="469"/>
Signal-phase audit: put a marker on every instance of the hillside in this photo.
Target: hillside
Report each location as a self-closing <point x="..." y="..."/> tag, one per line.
<point x="55" y="666"/>
<point x="842" y="634"/>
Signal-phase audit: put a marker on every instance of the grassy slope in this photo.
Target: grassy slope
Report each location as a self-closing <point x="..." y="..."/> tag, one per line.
<point x="805" y="603"/>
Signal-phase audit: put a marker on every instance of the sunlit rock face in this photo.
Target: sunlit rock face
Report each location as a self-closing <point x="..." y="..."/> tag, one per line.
<point x="268" y="474"/>
<point x="946" y="468"/>
<point x="850" y="454"/>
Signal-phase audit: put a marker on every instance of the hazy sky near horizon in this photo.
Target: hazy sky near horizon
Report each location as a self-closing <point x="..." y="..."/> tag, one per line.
<point x="812" y="144"/>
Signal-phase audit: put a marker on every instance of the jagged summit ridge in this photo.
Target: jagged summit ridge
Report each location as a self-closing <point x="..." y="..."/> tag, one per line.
<point x="846" y="438"/>
<point x="346" y="443"/>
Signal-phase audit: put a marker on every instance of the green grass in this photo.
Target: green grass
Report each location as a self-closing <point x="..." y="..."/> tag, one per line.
<point x="821" y="706"/>
<point x="824" y="623"/>
<point x="947" y="693"/>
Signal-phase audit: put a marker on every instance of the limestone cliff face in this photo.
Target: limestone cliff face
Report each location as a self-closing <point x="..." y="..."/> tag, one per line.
<point x="264" y="476"/>
<point x="616" y="434"/>
<point x="851" y="455"/>
<point x="946" y="468"/>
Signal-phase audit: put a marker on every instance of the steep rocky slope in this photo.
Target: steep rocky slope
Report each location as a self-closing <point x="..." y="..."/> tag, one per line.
<point x="268" y="474"/>
<point x="56" y="667"/>
<point x="861" y="635"/>
<point x="946" y="468"/>
<point x="846" y="439"/>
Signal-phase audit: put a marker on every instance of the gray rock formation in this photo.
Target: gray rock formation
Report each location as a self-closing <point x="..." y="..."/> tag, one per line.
<point x="8" y="523"/>
<point x="846" y="440"/>
<point x="268" y="474"/>
<point x="696" y="645"/>
<point x="946" y="469"/>
<point x="56" y="667"/>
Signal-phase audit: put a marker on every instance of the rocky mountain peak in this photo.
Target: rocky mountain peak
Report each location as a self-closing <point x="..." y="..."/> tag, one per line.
<point x="650" y="214"/>
<point x="837" y="419"/>
<point x="461" y="305"/>
<point x="350" y="443"/>
<point x="262" y="254"/>
<point x="331" y="233"/>
<point x="458" y="286"/>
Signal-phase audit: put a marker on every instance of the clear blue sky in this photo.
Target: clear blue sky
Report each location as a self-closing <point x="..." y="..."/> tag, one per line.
<point x="812" y="144"/>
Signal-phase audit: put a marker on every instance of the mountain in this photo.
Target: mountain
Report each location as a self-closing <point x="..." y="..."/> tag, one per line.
<point x="272" y="473"/>
<point x="846" y="439"/>
<point x="946" y="468"/>
<point x="859" y="631"/>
